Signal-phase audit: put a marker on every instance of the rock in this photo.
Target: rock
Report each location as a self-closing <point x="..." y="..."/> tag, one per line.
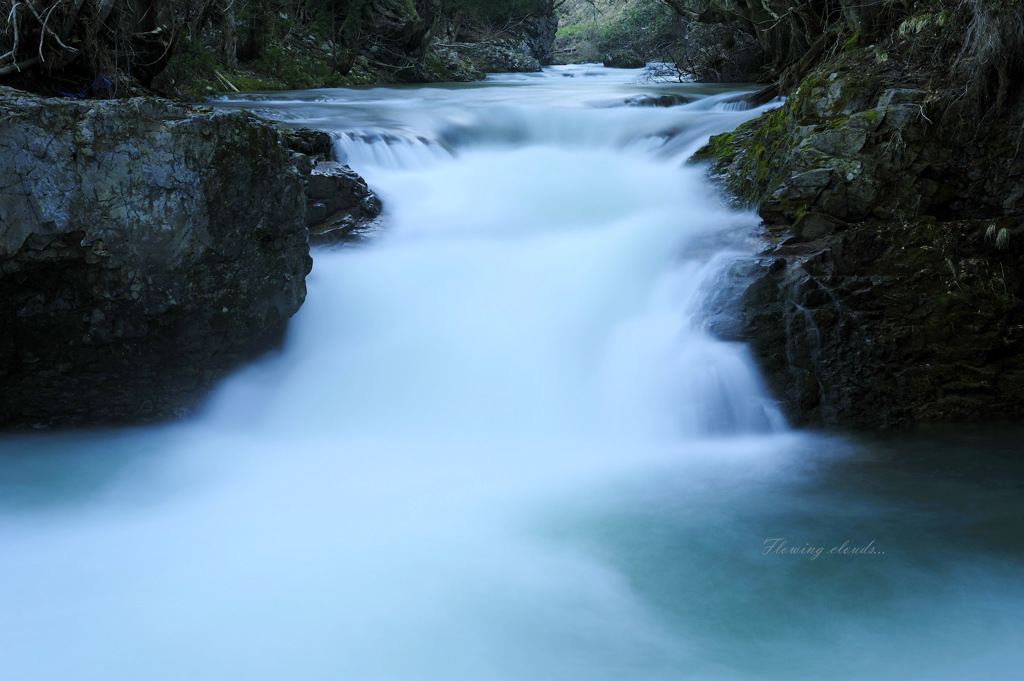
<point x="892" y="307"/>
<point x="810" y="226"/>
<point x="624" y="59"/>
<point x="341" y="205"/>
<point x="505" y="55"/>
<point x="844" y="142"/>
<point x="658" y="100"/>
<point x="310" y="142"/>
<point x="539" y="34"/>
<point x="144" y="253"/>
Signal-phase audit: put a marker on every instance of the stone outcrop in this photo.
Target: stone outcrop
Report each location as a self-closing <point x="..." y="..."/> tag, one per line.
<point x="339" y="205"/>
<point x="503" y="55"/>
<point x="539" y="34"/>
<point x="144" y="252"/>
<point x="521" y="45"/>
<point x="890" y="292"/>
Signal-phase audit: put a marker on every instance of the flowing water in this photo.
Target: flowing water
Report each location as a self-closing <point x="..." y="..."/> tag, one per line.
<point x="500" y="445"/>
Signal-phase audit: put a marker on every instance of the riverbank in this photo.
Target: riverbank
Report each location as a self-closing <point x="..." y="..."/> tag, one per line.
<point x="147" y="250"/>
<point x="189" y="50"/>
<point x="891" y="187"/>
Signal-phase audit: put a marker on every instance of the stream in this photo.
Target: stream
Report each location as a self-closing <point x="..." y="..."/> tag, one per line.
<point x="500" y="444"/>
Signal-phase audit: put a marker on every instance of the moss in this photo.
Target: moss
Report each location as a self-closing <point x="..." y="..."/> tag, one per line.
<point x="837" y="123"/>
<point x="750" y="160"/>
<point x="720" y="149"/>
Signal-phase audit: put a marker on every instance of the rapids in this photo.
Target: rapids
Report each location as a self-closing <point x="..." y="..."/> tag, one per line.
<point x="500" y="444"/>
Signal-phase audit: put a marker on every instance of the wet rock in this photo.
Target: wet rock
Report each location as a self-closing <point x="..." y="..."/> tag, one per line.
<point x="895" y="305"/>
<point x="144" y="253"/>
<point x="624" y="59"/>
<point x="658" y="100"/>
<point x="843" y="142"/>
<point x="341" y="205"/>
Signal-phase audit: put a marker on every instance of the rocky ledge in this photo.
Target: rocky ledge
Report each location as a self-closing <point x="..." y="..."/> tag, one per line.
<point x="145" y="251"/>
<point x="890" y="293"/>
<point x="340" y="207"/>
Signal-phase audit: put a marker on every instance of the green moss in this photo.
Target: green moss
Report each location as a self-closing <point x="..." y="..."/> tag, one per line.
<point x="757" y="154"/>
<point x="837" y="123"/>
<point x="720" y="149"/>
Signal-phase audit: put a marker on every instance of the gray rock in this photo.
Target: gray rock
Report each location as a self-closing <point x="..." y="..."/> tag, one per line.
<point x="844" y="142"/>
<point x="144" y="253"/>
<point x="813" y="179"/>
<point x="893" y="307"/>
<point x="658" y="100"/>
<point x="624" y="59"/>
<point x="539" y="33"/>
<point x="341" y="203"/>
<point x="501" y="56"/>
<point x="897" y="96"/>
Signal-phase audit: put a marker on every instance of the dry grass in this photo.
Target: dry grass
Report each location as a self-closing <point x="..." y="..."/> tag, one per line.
<point x="991" y="58"/>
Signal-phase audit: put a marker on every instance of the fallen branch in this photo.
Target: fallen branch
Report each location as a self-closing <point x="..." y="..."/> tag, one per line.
<point x="225" y="81"/>
<point x="18" y="66"/>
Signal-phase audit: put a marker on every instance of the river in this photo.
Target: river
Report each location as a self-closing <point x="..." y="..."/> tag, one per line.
<point x="500" y="444"/>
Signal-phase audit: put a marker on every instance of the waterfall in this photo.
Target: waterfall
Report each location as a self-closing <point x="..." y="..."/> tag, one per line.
<point x="498" y="443"/>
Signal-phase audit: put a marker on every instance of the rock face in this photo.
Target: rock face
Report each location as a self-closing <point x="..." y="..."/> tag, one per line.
<point x="891" y="291"/>
<point x="502" y="55"/>
<point x="339" y="205"/>
<point x="144" y="252"/>
<point x="523" y="45"/>
<point x="539" y="33"/>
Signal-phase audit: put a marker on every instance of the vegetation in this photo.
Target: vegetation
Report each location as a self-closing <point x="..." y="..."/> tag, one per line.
<point x="494" y="10"/>
<point x="595" y="30"/>
<point x="190" y="47"/>
<point x="983" y="39"/>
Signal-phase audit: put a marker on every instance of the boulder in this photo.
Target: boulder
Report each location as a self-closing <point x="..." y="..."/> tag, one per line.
<point x="624" y="59"/>
<point x="339" y="205"/>
<point x="145" y="251"/>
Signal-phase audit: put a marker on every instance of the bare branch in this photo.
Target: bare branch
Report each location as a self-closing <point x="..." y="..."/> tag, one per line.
<point x="11" y="68"/>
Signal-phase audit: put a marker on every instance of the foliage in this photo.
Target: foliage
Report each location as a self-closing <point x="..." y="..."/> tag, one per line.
<point x="68" y="46"/>
<point x="983" y="40"/>
<point x="590" y="31"/>
<point x="495" y="10"/>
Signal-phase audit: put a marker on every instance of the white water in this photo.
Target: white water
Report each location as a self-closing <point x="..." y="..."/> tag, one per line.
<point x="497" y="445"/>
